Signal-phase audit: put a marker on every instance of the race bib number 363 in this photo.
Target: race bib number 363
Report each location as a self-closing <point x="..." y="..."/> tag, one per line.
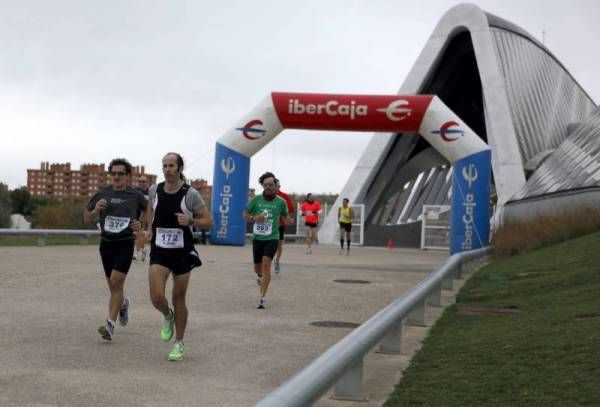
<point x="263" y="229"/>
<point x="169" y="238"/>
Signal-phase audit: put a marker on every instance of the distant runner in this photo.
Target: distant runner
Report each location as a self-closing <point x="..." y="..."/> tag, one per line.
<point x="310" y="210"/>
<point x="140" y="240"/>
<point x="345" y="216"/>
<point x="289" y="220"/>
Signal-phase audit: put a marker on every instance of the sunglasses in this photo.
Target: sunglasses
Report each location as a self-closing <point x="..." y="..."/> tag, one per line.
<point x="117" y="173"/>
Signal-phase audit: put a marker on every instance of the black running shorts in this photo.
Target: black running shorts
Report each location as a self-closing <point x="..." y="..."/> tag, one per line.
<point x="116" y="255"/>
<point x="310" y="225"/>
<point x="261" y="248"/>
<point x="346" y="226"/>
<point x="178" y="263"/>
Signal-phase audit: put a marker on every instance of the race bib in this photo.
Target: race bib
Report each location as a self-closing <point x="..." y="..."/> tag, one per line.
<point x="263" y="229"/>
<point x="168" y="238"/>
<point x="115" y="224"/>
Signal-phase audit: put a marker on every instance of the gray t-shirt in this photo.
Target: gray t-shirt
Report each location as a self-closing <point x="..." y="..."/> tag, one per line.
<point x="193" y="199"/>
<point x="122" y="207"/>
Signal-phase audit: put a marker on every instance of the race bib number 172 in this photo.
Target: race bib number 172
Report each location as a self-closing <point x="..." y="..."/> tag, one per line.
<point x="169" y="238"/>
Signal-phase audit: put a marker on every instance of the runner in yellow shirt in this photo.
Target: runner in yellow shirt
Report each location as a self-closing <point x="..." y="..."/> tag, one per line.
<point x="345" y="216"/>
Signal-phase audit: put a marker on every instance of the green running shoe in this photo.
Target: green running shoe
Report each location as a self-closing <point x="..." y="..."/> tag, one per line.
<point x="166" y="332"/>
<point x="177" y="352"/>
<point x="107" y="330"/>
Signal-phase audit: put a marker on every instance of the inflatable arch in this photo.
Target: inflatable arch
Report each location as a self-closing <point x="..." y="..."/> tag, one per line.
<point x="423" y="114"/>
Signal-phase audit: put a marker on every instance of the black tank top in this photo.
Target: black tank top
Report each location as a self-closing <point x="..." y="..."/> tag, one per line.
<point x="168" y="237"/>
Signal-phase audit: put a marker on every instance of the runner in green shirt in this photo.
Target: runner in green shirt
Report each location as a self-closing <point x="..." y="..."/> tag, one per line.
<point x="265" y="211"/>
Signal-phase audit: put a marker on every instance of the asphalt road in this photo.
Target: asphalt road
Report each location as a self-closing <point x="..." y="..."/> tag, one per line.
<point x="54" y="298"/>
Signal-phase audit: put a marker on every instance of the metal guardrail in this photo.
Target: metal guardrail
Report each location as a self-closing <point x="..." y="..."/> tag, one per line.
<point x="42" y="234"/>
<point x="84" y="234"/>
<point x="341" y="366"/>
<point x="49" y="232"/>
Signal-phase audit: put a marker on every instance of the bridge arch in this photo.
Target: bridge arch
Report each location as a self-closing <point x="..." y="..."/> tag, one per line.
<point x="423" y="114"/>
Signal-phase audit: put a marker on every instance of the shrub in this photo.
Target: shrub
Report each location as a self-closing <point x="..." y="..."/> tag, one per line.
<point x="524" y="236"/>
<point x="5" y="206"/>
<point x="62" y="215"/>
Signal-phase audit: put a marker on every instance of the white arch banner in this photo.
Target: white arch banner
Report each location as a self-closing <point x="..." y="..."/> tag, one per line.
<point x="423" y="114"/>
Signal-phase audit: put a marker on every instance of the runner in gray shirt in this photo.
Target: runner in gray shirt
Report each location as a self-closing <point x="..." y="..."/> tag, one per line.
<point x="118" y="207"/>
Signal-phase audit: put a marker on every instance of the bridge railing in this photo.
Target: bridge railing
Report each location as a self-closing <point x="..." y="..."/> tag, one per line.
<point x="341" y="366"/>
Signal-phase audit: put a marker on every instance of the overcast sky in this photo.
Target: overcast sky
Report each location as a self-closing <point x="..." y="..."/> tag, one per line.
<point x="87" y="81"/>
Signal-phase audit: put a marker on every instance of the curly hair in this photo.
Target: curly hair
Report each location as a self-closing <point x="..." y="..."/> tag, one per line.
<point x="120" y="161"/>
<point x="266" y="175"/>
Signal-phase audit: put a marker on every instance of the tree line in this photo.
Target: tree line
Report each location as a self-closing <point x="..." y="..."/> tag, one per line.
<point x="42" y="212"/>
<point x="49" y="213"/>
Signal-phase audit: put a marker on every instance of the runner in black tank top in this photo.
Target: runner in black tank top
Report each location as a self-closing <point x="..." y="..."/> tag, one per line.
<point x="170" y="238"/>
<point x="176" y="207"/>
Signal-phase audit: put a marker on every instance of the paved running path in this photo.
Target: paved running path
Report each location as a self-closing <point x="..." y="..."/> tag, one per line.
<point x="53" y="299"/>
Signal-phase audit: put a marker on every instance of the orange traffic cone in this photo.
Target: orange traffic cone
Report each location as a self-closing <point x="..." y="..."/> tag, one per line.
<point x="390" y="244"/>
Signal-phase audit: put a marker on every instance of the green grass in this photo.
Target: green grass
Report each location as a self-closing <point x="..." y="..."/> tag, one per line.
<point x="50" y="240"/>
<point x="548" y="354"/>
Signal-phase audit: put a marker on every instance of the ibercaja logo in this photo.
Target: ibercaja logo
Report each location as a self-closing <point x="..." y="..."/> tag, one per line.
<point x="252" y="130"/>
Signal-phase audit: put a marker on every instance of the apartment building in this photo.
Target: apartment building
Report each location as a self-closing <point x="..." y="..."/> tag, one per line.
<point x="59" y="181"/>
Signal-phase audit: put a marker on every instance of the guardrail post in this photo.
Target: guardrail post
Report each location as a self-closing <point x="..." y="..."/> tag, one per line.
<point x="41" y="240"/>
<point x="435" y="297"/>
<point x="477" y="262"/>
<point x="350" y="385"/>
<point x="416" y="316"/>
<point x="448" y="282"/>
<point x="458" y="273"/>
<point x="392" y="341"/>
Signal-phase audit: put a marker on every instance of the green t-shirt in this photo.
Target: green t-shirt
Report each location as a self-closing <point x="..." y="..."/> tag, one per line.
<point x="272" y="210"/>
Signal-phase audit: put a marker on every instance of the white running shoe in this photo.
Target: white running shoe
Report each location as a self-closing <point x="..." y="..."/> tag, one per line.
<point x="261" y="303"/>
<point x="258" y="281"/>
<point x="277" y="268"/>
